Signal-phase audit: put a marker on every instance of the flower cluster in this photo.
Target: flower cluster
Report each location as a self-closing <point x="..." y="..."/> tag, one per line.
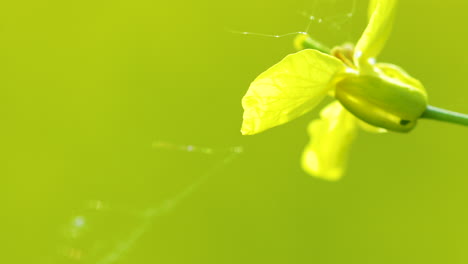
<point x="374" y="96"/>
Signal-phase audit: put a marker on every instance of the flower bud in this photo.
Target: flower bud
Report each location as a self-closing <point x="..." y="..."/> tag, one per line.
<point x="382" y="101"/>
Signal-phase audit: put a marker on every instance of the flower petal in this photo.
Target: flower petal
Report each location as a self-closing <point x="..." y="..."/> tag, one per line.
<point x="377" y="31"/>
<point x="331" y="136"/>
<point x="371" y="8"/>
<point x="288" y="90"/>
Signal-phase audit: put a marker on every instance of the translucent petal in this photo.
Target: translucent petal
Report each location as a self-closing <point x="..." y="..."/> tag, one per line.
<point x="331" y="136"/>
<point x="377" y="31"/>
<point x="288" y="90"/>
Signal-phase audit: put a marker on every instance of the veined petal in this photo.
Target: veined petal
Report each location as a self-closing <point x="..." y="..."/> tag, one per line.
<point x="377" y="31"/>
<point x="288" y="90"/>
<point x="331" y="136"/>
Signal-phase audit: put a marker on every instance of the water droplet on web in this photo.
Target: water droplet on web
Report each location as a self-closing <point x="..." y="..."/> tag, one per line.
<point x="102" y="232"/>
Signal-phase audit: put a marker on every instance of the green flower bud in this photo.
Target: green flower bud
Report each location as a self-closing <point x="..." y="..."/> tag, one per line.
<point x="382" y="101"/>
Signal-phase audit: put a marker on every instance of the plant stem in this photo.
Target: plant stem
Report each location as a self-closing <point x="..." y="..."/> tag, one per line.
<point x="440" y="114"/>
<point x="310" y="43"/>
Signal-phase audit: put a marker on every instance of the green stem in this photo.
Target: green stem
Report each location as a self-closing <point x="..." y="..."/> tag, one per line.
<point x="310" y="43"/>
<point x="440" y="114"/>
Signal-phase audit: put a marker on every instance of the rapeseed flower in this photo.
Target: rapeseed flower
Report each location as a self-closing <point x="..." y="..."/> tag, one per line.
<point x="373" y="96"/>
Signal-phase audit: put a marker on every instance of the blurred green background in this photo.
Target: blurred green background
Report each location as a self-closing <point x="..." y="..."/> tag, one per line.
<point x="87" y="87"/>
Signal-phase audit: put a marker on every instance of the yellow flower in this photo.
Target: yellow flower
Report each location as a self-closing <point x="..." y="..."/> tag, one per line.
<point x="373" y="96"/>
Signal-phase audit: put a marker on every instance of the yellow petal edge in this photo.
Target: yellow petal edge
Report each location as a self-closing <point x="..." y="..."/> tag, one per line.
<point x="378" y="30"/>
<point x="331" y="137"/>
<point x="288" y="89"/>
